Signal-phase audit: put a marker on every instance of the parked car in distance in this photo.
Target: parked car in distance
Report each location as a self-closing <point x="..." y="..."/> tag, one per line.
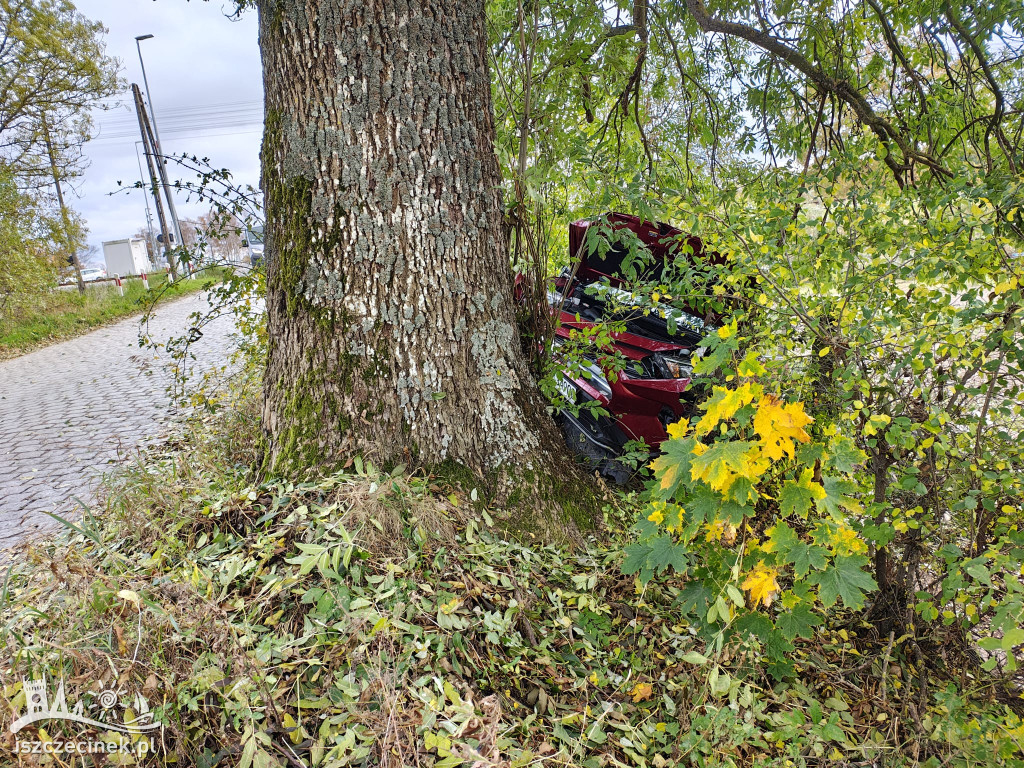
<point x="92" y="274"/>
<point x="67" y="275"/>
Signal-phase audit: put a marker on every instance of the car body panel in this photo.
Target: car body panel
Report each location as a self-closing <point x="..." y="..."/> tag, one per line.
<point x="642" y="403"/>
<point x="663" y="240"/>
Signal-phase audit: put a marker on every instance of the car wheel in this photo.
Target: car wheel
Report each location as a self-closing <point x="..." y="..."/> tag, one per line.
<point x="594" y="457"/>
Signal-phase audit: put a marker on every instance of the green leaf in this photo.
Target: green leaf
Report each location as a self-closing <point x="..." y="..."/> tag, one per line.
<point x="804" y="557"/>
<point x="777" y="645"/>
<point x="703" y="504"/>
<point x="695" y="598"/>
<point x="248" y="752"/>
<point x="782" y="537"/>
<point x="714" y="361"/>
<point x="799" y="622"/>
<point x="795" y="499"/>
<point x="665" y="552"/>
<point x="754" y="624"/>
<point x="719" y="460"/>
<point x="846" y="579"/>
<point x="791" y="549"/>
<point x="845" y="456"/>
<point x="809" y="453"/>
<point x="1011" y="638"/>
<point x="673" y="466"/>
<point x="636" y="558"/>
<point x="742" y="491"/>
<point x="837" y="493"/>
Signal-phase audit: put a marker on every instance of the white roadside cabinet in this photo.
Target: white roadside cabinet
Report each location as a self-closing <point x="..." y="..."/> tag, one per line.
<point x="126" y="257"/>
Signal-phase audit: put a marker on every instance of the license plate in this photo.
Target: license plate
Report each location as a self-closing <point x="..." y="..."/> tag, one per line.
<point x="567" y="389"/>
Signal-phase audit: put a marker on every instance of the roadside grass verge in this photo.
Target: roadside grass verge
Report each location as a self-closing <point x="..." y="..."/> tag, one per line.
<point x="64" y="314"/>
<point x="367" y="618"/>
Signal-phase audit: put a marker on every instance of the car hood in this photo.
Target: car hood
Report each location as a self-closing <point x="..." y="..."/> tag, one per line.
<point x="663" y="240"/>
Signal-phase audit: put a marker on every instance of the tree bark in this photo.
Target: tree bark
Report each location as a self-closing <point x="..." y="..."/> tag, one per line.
<point x="391" y="322"/>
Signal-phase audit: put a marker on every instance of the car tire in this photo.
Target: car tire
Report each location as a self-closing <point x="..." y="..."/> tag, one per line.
<point x="594" y="457"/>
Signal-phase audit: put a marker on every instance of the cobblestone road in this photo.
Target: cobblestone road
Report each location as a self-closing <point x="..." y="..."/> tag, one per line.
<point x="70" y="410"/>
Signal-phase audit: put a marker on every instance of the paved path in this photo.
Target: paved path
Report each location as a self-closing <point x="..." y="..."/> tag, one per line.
<point x="71" y="409"/>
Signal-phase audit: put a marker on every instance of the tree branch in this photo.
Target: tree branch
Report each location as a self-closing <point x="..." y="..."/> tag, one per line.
<point x="841" y="88"/>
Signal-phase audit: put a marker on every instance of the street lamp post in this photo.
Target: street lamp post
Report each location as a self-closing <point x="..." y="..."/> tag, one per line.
<point x="159" y="150"/>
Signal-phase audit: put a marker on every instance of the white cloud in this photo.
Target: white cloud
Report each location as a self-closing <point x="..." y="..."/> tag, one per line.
<point x="206" y="84"/>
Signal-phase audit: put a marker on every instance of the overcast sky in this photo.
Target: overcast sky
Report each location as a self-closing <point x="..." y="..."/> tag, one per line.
<point x="205" y="82"/>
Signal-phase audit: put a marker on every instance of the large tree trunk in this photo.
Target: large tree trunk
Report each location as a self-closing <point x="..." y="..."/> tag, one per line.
<point x="391" y="323"/>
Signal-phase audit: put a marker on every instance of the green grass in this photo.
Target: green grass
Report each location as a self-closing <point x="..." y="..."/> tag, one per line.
<point x="63" y="314"/>
<point x="367" y="618"/>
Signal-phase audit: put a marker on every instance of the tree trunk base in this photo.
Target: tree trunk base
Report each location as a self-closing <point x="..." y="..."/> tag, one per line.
<point x="557" y="504"/>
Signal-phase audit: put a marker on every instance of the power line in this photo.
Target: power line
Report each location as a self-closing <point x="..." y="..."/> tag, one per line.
<point x="192" y="114"/>
<point x="179" y="119"/>
<point x="238" y="114"/>
<point x="196" y="129"/>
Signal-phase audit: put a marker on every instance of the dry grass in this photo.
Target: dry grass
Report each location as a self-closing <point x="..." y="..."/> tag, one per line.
<point x="367" y="619"/>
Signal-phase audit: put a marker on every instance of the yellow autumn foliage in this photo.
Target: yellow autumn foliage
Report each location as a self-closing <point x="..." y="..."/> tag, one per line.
<point x="762" y="584"/>
<point x="779" y="425"/>
<point x="724" y="403"/>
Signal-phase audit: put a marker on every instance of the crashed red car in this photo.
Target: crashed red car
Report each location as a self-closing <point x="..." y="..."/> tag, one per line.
<point x="655" y="388"/>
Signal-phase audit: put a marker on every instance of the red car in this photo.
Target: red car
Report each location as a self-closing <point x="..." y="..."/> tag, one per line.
<point x="654" y="388"/>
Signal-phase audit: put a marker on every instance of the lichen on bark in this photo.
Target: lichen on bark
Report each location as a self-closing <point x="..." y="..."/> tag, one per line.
<point x="389" y="286"/>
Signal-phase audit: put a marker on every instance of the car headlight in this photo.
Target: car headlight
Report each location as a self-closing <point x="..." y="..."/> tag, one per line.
<point x="592" y="374"/>
<point x="672" y="367"/>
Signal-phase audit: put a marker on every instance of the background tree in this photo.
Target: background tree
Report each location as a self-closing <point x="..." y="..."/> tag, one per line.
<point x="53" y="67"/>
<point x="190" y="232"/>
<point x="25" y="267"/>
<point x="53" y="70"/>
<point x="223" y="233"/>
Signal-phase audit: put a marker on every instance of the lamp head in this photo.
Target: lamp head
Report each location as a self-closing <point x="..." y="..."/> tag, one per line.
<point x="143" y="37"/>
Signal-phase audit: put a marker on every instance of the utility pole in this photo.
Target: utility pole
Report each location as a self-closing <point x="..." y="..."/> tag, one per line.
<point x="144" y="128"/>
<point x="63" y="208"/>
<point x="155" y="142"/>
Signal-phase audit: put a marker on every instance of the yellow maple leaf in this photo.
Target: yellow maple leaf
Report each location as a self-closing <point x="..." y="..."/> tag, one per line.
<point x="667" y="469"/>
<point x="721" y="474"/>
<point x="641" y="692"/>
<point x="677" y="431"/>
<point x="720" y="531"/>
<point x="846" y="541"/>
<point x="716" y="474"/>
<point x="755" y="464"/>
<point x="762" y="584"/>
<point x="677" y="521"/>
<point x="779" y="425"/>
<point x="724" y="403"/>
